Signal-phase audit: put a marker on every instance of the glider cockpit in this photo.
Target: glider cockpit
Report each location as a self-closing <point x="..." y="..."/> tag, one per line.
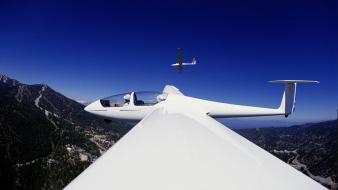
<point x="144" y="98"/>
<point x="126" y="106"/>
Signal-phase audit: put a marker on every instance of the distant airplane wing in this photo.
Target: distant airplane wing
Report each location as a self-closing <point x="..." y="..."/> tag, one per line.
<point x="179" y="56"/>
<point x="177" y="150"/>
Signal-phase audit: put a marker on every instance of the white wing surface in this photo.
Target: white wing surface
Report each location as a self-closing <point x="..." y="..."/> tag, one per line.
<point x="181" y="151"/>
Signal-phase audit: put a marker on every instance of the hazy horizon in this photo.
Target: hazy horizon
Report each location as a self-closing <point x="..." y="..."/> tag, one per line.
<point x="245" y="122"/>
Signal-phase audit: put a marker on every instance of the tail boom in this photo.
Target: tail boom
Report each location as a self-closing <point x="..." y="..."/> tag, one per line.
<point x="287" y="106"/>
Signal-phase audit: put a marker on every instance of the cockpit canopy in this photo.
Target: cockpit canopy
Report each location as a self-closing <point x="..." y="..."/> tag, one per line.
<point x="144" y="98"/>
<point x="114" y="101"/>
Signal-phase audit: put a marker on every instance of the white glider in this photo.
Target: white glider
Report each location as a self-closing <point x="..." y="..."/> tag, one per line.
<point x="180" y="62"/>
<point x="178" y="145"/>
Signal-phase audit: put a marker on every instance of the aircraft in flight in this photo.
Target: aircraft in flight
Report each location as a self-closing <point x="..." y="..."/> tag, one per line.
<point x="177" y="144"/>
<point x="180" y="62"/>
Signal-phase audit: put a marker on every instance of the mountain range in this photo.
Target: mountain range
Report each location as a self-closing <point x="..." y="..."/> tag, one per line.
<point x="47" y="139"/>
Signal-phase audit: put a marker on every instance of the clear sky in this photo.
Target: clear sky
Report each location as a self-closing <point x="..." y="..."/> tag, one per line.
<point x="92" y="49"/>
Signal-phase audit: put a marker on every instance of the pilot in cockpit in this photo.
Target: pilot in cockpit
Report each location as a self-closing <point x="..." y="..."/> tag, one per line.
<point x="126" y="99"/>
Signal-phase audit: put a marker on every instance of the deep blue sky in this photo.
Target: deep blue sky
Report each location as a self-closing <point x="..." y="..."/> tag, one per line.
<point x="91" y="49"/>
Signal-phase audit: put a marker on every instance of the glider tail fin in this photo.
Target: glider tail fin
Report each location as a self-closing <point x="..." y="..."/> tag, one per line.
<point x="193" y="62"/>
<point x="288" y="102"/>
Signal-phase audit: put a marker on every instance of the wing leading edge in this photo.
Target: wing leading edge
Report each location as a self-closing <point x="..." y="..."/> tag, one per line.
<point x="181" y="151"/>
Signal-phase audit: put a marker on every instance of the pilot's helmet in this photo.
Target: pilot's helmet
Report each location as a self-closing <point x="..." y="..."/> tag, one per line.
<point x="126" y="97"/>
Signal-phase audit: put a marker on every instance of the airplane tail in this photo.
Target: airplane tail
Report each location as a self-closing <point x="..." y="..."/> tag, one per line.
<point x="193" y="62"/>
<point x="288" y="103"/>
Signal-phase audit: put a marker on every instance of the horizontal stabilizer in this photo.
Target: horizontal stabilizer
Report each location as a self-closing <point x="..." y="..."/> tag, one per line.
<point x="294" y="81"/>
